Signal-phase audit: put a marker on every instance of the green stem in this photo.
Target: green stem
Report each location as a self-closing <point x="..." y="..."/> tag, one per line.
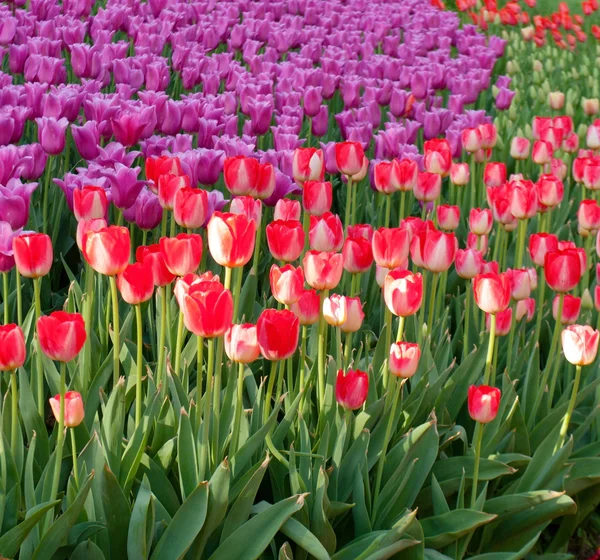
<point x="388" y="210"/>
<point x="270" y="386"/>
<point x="38" y="350"/>
<point x="19" y="298"/>
<point x="173" y="229"/>
<point x="139" y="364"/>
<point x="434" y="283"/>
<point x="45" y="195"/>
<point x="400" y="334"/>
<point x="521" y="243"/>
<point x="586" y="275"/>
<point x="571" y="407"/>
<point x="238" y="410"/>
<point x="347" y="350"/>
<point x="302" y="363"/>
<point x="348" y="205"/>
<point x="163" y="225"/>
<point x="488" y="377"/>
<point x="511" y="337"/>
<point x="540" y="303"/>
<point x="14" y="424"/>
<point x="162" y="335"/>
<point x="60" y="437"/>
<point x="179" y="343"/>
<point x="422" y="311"/>
<point x="468" y="296"/>
<point x="204" y="446"/>
<point x="199" y="364"/>
<point x="388" y="343"/>
<point x="321" y="351"/>
<point x="477" y="439"/>
<point x="306" y="227"/>
<point x="74" y="451"/>
<point x="257" y="244"/>
<point x="402" y="205"/>
<point x="116" y="328"/>
<point x="237" y="288"/>
<point x="5" y="299"/>
<point x="473" y="184"/>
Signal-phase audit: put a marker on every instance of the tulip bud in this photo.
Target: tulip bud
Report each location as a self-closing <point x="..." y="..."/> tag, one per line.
<point x="404" y="359"/>
<point x="307" y="308"/>
<point x="483" y="403"/>
<point x="61" y="335"/>
<point x="33" y="254"/>
<point x="287" y="283"/>
<point x="277" y="334"/>
<point x="241" y="343"/>
<point x="580" y="344"/>
<point x="74" y="411"/>
<point x="351" y="390"/>
<point x="12" y="347"/>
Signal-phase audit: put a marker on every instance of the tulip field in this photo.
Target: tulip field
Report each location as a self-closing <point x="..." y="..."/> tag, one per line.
<point x="299" y="279"/>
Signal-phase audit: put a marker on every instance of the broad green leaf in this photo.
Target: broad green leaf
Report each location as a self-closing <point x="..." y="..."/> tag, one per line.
<point x="446" y="528"/>
<point x="87" y="550"/>
<point x="142" y="516"/>
<point x="187" y="458"/>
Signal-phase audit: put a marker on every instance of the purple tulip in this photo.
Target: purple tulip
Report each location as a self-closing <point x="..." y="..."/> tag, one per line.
<point x="146" y="211"/>
<point x="51" y="134"/>
<point x="312" y="101"/>
<point x="129" y="126"/>
<point x="33" y="161"/>
<point x="114" y="153"/>
<point x="7" y="234"/>
<point x="504" y="98"/>
<point x="216" y="202"/>
<point x="125" y="186"/>
<point x="14" y="202"/>
<point x="320" y="123"/>
<point x="87" y="139"/>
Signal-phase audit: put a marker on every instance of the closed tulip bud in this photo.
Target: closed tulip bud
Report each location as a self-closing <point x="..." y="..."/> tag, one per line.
<point x="391" y="246"/>
<point x="383" y="177"/>
<point x="403" y="292"/>
<point x="351" y="390"/>
<point x="480" y="221"/>
<point x="523" y="200"/>
<point x="287" y="210"/>
<point x="169" y="186"/>
<point x="107" y="250"/>
<point x="494" y="174"/>
<point x="12" y="347"/>
<point x="335" y="310"/>
<point x="326" y="233"/>
<point x="308" y="165"/>
<point x="580" y="344"/>
<point x="241" y="174"/>
<point x="593" y="137"/>
<point x="588" y="217"/>
<point x="479" y="242"/>
<point x="380" y="273"/>
<point x="492" y="292"/>
<point x="207" y="309"/>
<point x="428" y="187"/>
<point x="349" y="157"/>
<point x="285" y="240"/>
<point x="307" y="308"/>
<point x="438" y="156"/>
<point x="563" y="269"/>
<point x="287" y="283"/>
<point x="471" y="140"/>
<point x="460" y="174"/>
<point x="323" y="270"/>
<point x="591" y="106"/>
<point x="435" y="249"/>
<point x="33" y="254"/>
<point x="468" y="263"/>
<point x="489" y="136"/>
<point x="404" y="359"/>
<point x="357" y="255"/>
<point x="136" y="283"/>
<point x="190" y="207"/>
<point x="540" y="244"/>
<point x="556" y="100"/>
<point x="483" y="403"/>
<point x="550" y="191"/>
<point x="182" y="254"/>
<point x="74" y="411"/>
<point x="542" y="152"/>
<point x="570" y="311"/>
<point x="448" y="217"/>
<point x="231" y="239"/>
<point x="241" y="343"/>
<point x="520" y="283"/>
<point x="247" y="206"/>
<point x="407" y="172"/>
<point x="354" y="315"/>
<point x="61" y="335"/>
<point x="317" y="197"/>
<point x="277" y="333"/>
<point x="525" y="308"/>
<point x="89" y="203"/>
<point x="503" y="322"/>
<point x="519" y="148"/>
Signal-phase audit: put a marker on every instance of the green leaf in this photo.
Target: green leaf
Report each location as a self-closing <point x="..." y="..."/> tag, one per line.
<point x="186" y="455"/>
<point x="142" y="517"/>
<point x="116" y="511"/>
<point x="446" y="528"/>
<point x="87" y="550"/>
<point x="353" y="460"/>
<point x="185" y="525"/>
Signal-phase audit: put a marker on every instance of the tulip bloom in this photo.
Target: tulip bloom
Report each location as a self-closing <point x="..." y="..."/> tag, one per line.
<point x="404" y="359"/>
<point x="403" y="292"/>
<point x="33" y="254"/>
<point x="351" y="390"/>
<point x="480" y="221"/>
<point x="247" y="206"/>
<point x="407" y="172"/>
<point x="349" y="157"/>
<point x="483" y="402"/>
<point x="523" y="200"/>
<point x="308" y="165"/>
<point x="468" y="263"/>
<point x="335" y="310"/>
<point x="207" y="309"/>
<point x="241" y="174"/>
<point x="494" y="174"/>
<point x="190" y="207"/>
<point x="550" y="191"/>
<point x="136" y="283"/>
<point x="438" y="156"/>
<point x="354" y="315"/>
<point x="153" y="258"/>
<point x="391" y="246"/>
<point x="107" y="250"/>
<point x="277" y="332"/>
<point x="460" y="174"/>
<point x="525" y="308"/>
<point x="448" y="217"/>
<point x="241" y="343"/>
<point x="520" y="283"/>
<point x="169" y="186"/>
<point x="317" y="197"/>
<point x="580" y="344"/>
<point x="61" y="335"/>
<point x="74" y="411"/>
<point x="323" y="270"/>
<point x="503" y="322"/>
<point x="287" y="283"/>
<point x="285" y="240"/>
<point x="492" y="292"/>
<point x="326" y="233"/>
<point x="540" y="244"/>
<point x="570" y="311"/>
<point x="542" y="152"/>
<point x="163" y="165"/>
<point x="12" y="347"/>
<point x="433" y="250"/>
<point x="231" y="239"/>
<point x="471" y="140"/>
<point x="519" y="148"/>
<point x="307" y="308"/>
<point x="357" y="255"/>
<point x="181" y="254"/>
<point x="287" y="210"/>
<point x="563" y="269"/>
<point x="428" y="187"/>
<point x="89" y="203"/>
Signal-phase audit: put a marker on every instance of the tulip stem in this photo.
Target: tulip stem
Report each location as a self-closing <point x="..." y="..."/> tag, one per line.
<point x="38" y="350"/>
<point x="207" y="403"/>
<point x="511" y="337"/>
<point x="87" y="317"/>
<point x="388" y="210"/>
<point x="586" y="275"/>
<point x="388" y="343"/>
<point x="306" y="228"/>
<point x="540" y="304"/>
<point x="321" y="350"/>
<point x="348" y="204"/>
<point x="139" y="359"/>
<point x="477" y="439"/>
<point x="402" y="206"/>
<point x="162" y="334"/>
<point x="238" y="410"/>
<point x="19" y="298"/>
<point x="473" y="205"/>
<point x="434" y="282"/>
<point x="45" y="195"/>
<point x="179" y="343"/>
<point x="488" y="378"/>
<point x="521" y="243"/>
<point x="75" y="467"/>
<point x="422" y="311"/>
<point x="199" y="364"/>
<point x="14" y="425"/>
<point x="163" y="225"/>
<point x="60" y="437"/>
<point x="270" y="386"/>
<point x="302" y="364"/>
<point x="498" y="241"/>
<point x="5" y="298"/>
<point x="116" y="328"/>
<point x="257" y="244"/>
<point x="237" y="288"/>
<point x="571" y="407"/>
<point x="173" y="230"/>
<point x="468" y="296"/>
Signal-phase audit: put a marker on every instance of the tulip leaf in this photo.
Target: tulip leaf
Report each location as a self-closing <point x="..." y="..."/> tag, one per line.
<point x="446" y="528"/>
<point x="187" y="457"/>
<point x="87" y="550"/>
<point x="352" y="462"/>
<point x="142" y="517"/>
<point x="117" y="512"/>
<point x="32" y="420"/>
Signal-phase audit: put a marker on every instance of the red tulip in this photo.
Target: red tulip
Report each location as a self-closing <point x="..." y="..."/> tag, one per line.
<point x="207" y="309"/>
<point x="182" y="254"/>
<point x="231" y="239"/>
<point x="540" y="124"/>
<point x="492" y="292"/>
<point x="550" y="191"/>
<point x="89" y="203"/>
<point x="241" y="343"/>
<point x="183" y="284"/>
<point x="489" y="135"/>
<point x="403" y="292"/>
<point x="74" y="411"/>
<point x="471" y="140"/>
<point x="308" y="165"/>
<point x="540" y="244"/>
<point x="480" y="221"/>
<point x="349" y="157"/>
<point x="317" y="197"/>
<point x="503" y="321"/>
<point x="163" y="165"/>
<point x="190" y="207"/>
<point x="448" y="217"/>
<point x="357" y="254"/>
<point x="107" y="250"/>
<point x="335" y="310"/>
<point x="33" y="254"/>
<point x="12" y="347"/>
<point x="265" y="186"/>
<point x="247" y="206"/>
<point x="494" y="174"/>
<point x="542" y="152"/>
<point x="477" y="242"/>
<point x="153" y="258"/>
<point x="61" y="335"/>
<point x="468" y="263"/>
<point x="136" y="283"/>
<point x="287" y="283"/>
<point x="520" y="283"/>
<point x="83" y="226"/>
<point x="384" y="179"/>
<point x="287" y="210"/>
<point x="428" y="187"/>
<point x="241" y="174"/>
<point x="326" y="233"/>
<point x="570" y="311"/>
<point x="525" y="308"/>
<point x="435" y="250"/>
<point x="460" y="174"/>
<point x="361" y="230"/>
<point x="308" y="307"/>
<point x="438" y="156"/>
<point x="404" y="359"/>
<point x="407" y="172"/>
<point x="563" y="269"/>
<point x="489" y="267"/>
<point x="285" y="240"/>
<point x="391" y="246"/>
<point x="354" y="315"/>
<point x="322" y="270"/>
<point x="169" y="186"/>
<point x="351" y="390"/>
<point x="524" y="200"/>
<point x="277" y="333"/>
<point x="519" y="148"/>
<point x="553" y="137"/>
<point x="580" y="344"/>
<point x="484" y="402"/>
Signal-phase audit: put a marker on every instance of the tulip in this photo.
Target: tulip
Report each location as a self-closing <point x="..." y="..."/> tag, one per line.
<point x="351" y="389"/>
<point x="489" y="136"/>
<point x="287" y="210"/>
<point x="190" y="207"/>
<point x="308" y="165"/>
<point x="61" y="335"/>
<point x="12" y="347"/>
<point x="556" y="100"/>
<point x="503" y="323"/>
<point x="492" y="292"/>
<point x="169" y="186"/>
<point x="525" y="308"/>
<point x="231" y="239"/>
<point x="154" y="260"/>
<point x="241" y="343"/>
<point x="136" y="283"/>
<point x="287" y="283"/>
<point x="307" y="308"/>
<point x="542" y="152"/>
<point x="519" y="148"/>
<point x="89" y="203"/>
<point x="357" y="255"/>
<point x="391" y="246"/>
<point x="540" y="244"/>
<point x="460" y="174"/>
<point x="277" y="332"/>
<point x="384" y="179"/>
<point x="520" y="283"/>
<point x="494" y="174"/>
<point x="316" y="197"/>
<point x="562" y="269"/>
<point x="471" y="140"/>
<point x="335" y="310"/>
<point x="241" y="174"/>
<point x="438" y="157"/>
<point x="404" y="359"/>
<point x="592" y="136"/>
<point x="181" y="254"/>
<point x="448" y="217"/>
<point x="428" y="187"/>
<point x="326" y="233"/>
<point x="249" y="207"/>
<point x="570" y="310"/>
<point x="403" y="292"/>
<point x="468" y="263"/>
<point x="407" y="172"/>
<point x="322" y="270"/>
<point x="285" y="240"/>
<point x="434" y="250"/>
<point x="361" y="230"/>
<point x="354" y="316"/>
<point x="523" y="200"/>
<point x="349" y="157"/>
<point x="483" y="403"/>
<point x="550" y="191"/>
<point x="52" y="134"/>
<point x="480" y="221"/>
<point x="207" y="309"/>
<point x="74" y="412"/>
<point x="107" y="250"/>
<point x="33" y="254"/>
<point x="163" y="165"/>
